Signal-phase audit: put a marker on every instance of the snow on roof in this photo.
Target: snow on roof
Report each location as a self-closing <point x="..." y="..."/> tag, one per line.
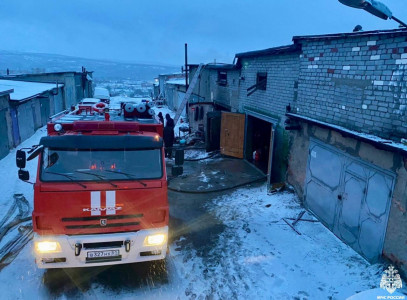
<point x="101" y="93"/>
<point x="90" y="100"/>
<point x="176" y="81"/>
<point x="24" y="89"/>
<point x="5" y="91"/>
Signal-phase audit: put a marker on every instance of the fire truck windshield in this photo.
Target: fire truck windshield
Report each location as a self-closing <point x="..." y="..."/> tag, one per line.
<point x="100" y="165"/>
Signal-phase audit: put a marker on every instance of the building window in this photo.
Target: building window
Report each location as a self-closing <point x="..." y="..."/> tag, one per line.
<point x="261" y="81"/>
<point x="222" y="78"/>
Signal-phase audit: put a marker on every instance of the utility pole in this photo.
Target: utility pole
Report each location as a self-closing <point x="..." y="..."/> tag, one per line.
<point x="186" y="66"/>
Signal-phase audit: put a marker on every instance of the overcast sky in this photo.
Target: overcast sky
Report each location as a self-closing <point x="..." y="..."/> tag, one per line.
<point x="154" y="31"/>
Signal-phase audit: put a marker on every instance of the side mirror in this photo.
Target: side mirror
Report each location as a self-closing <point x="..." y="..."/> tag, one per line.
<point x="21" y="159"/>
<point x="35" y="152"/>
<point x="23" y="175"/>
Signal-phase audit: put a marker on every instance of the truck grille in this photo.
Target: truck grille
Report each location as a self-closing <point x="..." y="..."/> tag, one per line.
<point x="99" y="226"/>
<point x="116" y="217"/>
<point x="112" y="221"/>
<point x="100" y="245"/>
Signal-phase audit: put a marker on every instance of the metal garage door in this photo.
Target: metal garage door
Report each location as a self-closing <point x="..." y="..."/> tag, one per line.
<point x="4" y="143"/>
<point x="350" y="196"/>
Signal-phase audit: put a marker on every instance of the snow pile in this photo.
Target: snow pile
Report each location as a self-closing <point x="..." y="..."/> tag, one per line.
<point x="195" y="154"/>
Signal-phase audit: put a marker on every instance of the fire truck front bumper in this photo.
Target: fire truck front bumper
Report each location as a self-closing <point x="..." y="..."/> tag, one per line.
<point x="63" y="251"/>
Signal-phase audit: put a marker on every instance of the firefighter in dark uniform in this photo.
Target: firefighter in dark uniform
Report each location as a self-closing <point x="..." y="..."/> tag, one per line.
<point x="168" y="135"/>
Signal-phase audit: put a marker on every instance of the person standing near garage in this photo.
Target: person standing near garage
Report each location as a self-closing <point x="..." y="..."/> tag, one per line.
<point x="168" y="135"/>
<point x="160" y="117"/>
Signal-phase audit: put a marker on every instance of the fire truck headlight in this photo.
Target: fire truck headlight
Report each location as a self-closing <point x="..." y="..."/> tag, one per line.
<point x="155" y="240"/>
<point x="47" y="247"/>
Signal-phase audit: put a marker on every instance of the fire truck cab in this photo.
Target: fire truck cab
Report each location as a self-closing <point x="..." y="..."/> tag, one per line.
<point x="100" y="195"/>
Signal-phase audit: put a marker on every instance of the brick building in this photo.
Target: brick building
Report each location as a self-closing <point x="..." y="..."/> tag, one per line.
<point x="347" y="162"/>
<point x="268" y="84"/>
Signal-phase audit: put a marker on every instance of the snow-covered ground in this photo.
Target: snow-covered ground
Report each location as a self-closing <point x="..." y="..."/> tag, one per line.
<point x="259" y="256"/>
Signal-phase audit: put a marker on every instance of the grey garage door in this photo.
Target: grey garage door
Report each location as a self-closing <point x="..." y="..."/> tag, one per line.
<point x="4" y="143"/>
<point x="350" y="196"/>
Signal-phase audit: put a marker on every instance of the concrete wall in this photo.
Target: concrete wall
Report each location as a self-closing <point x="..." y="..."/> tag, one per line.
<point x="359" y="82"/>
<point x="194" y="124"/>
<point x="396" y="236"/>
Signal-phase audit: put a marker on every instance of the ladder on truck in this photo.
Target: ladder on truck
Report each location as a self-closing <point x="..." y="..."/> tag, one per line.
<point x="188" y="93"/>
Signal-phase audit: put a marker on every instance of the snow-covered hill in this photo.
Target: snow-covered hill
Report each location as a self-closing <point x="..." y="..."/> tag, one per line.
<point x="21" y="62"/>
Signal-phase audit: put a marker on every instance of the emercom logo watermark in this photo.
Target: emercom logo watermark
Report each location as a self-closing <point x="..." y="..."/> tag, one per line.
<point x="390" y="282"/>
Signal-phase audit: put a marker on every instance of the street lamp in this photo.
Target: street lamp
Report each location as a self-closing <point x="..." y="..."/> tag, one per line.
<point x="374" y="7"/>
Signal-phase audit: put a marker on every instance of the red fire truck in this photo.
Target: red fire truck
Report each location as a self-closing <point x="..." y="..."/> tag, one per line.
<point x="100" y="196"/>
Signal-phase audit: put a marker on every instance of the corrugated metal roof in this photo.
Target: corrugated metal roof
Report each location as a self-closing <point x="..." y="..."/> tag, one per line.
<point x="24" y="90"/>
<point x="270" y="51"/>
<point x="351" y="34"/>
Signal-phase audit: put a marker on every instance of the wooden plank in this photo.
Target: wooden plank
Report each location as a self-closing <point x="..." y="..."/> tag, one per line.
<point x="232" y="134"/>
<point x="292" y="227"/>
<point x="298" y="217"/>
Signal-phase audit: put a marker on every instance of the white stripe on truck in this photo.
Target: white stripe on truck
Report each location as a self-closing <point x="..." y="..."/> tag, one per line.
<point x="110" y="202"/>
<point x="95" y="203"/>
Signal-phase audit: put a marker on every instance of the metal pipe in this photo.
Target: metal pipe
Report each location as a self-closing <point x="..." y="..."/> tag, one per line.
<point x="399" y="21"/>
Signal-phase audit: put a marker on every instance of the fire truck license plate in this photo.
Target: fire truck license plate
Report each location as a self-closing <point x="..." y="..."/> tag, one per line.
<point x="106" y="253"/>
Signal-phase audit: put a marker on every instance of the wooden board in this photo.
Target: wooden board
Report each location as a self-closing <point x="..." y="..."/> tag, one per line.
<point x="232" y="134"/>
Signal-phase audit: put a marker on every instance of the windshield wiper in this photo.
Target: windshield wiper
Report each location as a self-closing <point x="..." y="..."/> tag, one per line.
<point x="103" y="178"/>
<point x="131" y="176"/>
<point x="67" y="176"/>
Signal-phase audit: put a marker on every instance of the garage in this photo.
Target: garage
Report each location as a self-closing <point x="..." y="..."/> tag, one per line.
<point x="349" y="196"/>
<point x="258" y="138"/>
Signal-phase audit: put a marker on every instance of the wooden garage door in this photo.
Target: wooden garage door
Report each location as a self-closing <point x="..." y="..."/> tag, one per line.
<point x="232" y="134"/>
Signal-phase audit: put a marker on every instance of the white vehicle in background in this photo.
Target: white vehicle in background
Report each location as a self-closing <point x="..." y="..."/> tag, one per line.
<point x="89" y="101"/>
<point x="93" y="104"/>
<point x="102" y="94"/>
